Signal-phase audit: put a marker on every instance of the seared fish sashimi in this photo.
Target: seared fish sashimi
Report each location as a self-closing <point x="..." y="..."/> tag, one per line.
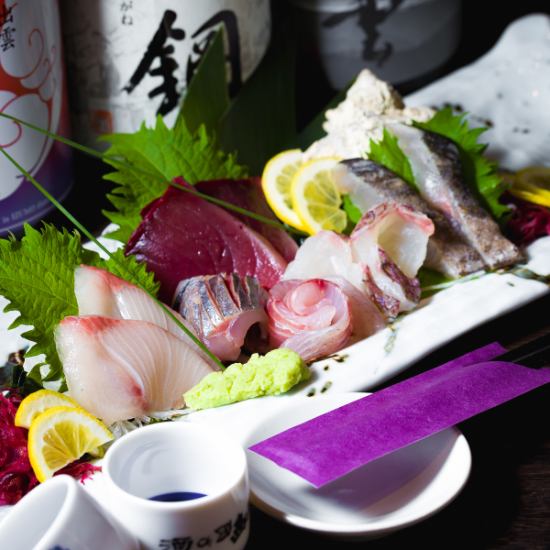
<point x="311" y="317"/>
<point x="222" y="308"/>
<point x="369" y="184"/>
<point x="248" y="194"/>
<point x="182" y="236"/>
<point x="435" y="162"/>
<point x="120" y="369"/>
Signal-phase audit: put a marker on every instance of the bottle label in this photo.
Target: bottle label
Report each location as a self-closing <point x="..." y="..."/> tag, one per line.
<point x="32" y="89"/>
<point x="131" y="60"/>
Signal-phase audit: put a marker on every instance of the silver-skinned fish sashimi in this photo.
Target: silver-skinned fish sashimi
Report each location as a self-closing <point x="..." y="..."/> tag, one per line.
<point x="222" y="309"/>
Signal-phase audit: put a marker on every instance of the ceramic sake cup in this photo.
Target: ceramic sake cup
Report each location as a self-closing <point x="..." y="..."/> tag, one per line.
<point x="179" y="459"/>
<point x="60" y="515"/>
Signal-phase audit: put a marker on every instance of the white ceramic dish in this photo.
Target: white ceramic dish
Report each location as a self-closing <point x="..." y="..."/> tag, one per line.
<point x="388" y="494"/>
<point x="512" y="69"/>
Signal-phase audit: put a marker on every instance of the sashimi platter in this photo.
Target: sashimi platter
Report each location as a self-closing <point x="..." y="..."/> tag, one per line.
<point x="331" y="270"/>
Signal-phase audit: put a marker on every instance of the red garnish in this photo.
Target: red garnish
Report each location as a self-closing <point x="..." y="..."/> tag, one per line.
<point x="528" y="221"/>
<point x="80" y="470"/>
<point x="16" y="474"/>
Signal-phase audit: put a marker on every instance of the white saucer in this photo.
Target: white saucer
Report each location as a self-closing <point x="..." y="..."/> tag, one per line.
<point x="388" y="494"/>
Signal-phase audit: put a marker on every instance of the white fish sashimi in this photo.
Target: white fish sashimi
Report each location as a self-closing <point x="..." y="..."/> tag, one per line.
<point x="390" y="242"/>
<point x="311" y="317"/>
<point x="99" y="292"/>
<point x="120" y="369"/>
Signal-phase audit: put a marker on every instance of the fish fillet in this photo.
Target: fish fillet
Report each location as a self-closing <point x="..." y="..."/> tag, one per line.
<point x="368" y="184"/>
<point x="222" y="309"/>
<point x="311" y="317"/>
<point x="120" y="369"/>
<point x="183" y="236"/>
<point x="435" y="161"/>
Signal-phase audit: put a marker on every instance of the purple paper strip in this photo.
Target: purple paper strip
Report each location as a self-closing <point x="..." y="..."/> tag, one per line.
<point x="327" y="447"/>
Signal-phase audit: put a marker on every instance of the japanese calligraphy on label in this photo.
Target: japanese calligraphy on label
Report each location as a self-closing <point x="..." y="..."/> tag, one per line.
<point x="131" y="60"/>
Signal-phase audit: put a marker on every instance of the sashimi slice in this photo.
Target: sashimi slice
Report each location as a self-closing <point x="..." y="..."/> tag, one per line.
<point x="183" y="236"/>
<point x="248" y="194"/>
<point x="311" y="317"/>
<point x="368" y="184"/>
<point x="435" y="162"/>
<point x="390" y="242"/>
<point x="222" y="309"/>
<point x="328" y="255"/>
<point x="99" y="292"/>
<point x="120" y="369"/>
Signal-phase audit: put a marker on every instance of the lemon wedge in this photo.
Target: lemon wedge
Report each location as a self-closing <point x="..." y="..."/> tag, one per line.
<point x="533" y="184"/>
<point x="61" y="435"/>
<point x="315" y="196"/>
<point x="39" y="401"/>
<point x="276" y="180"/>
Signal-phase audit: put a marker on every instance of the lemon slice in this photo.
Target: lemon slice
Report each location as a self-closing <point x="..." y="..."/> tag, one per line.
<point x="533" y="185"/>
<point x="39" y="401"/>
<point x="276" y="179"/>
<point x="62" y="435"/>
<point x="315" y="196"/>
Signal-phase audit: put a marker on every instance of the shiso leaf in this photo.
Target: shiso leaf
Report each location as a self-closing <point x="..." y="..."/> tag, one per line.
<point x="388" y="153"/>
<point x="479" y="172"/>
<point x="37" y="278"/>
<point x="150" y="158"/>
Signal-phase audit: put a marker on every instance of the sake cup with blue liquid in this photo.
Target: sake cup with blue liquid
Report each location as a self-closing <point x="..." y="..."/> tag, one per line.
<point x="179" y="485"/>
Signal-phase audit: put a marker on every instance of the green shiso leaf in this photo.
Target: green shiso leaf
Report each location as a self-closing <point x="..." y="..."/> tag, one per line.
<point x="150" y="159"/>
<point x="388" y="153"/>
<point x="479" y="172"/>
<point x="37" y="278"/>
<point x="354" y="214"/>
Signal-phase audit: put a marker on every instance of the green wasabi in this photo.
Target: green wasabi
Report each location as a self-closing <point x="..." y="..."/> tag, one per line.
<point x="274" y="373"/>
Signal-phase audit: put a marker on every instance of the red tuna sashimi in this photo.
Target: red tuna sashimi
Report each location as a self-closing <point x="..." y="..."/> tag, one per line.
<point x="248" y="194"/>
<point x="183" y="236"/>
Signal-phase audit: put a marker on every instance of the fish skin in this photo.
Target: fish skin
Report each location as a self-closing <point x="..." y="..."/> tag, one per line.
<point x="119" y="369"/>
<point x="448" y="253"/>
<point x="222" y="309"/>
<point x="248" y="194"/>
<point x="435" y="161"/>
<point x="183" y="236"/>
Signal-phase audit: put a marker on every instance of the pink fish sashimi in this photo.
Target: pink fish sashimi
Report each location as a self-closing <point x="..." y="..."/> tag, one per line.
<point x="248" y="194"/>
<point x="390" y="242"/>
<point x="222" y="309"/>
<point x="311" y="317"/>
<point x="328" y="255"/>
<point x="183" y="236"/>
<point x="120" y="369"/>
<point x="99" y="292"/>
